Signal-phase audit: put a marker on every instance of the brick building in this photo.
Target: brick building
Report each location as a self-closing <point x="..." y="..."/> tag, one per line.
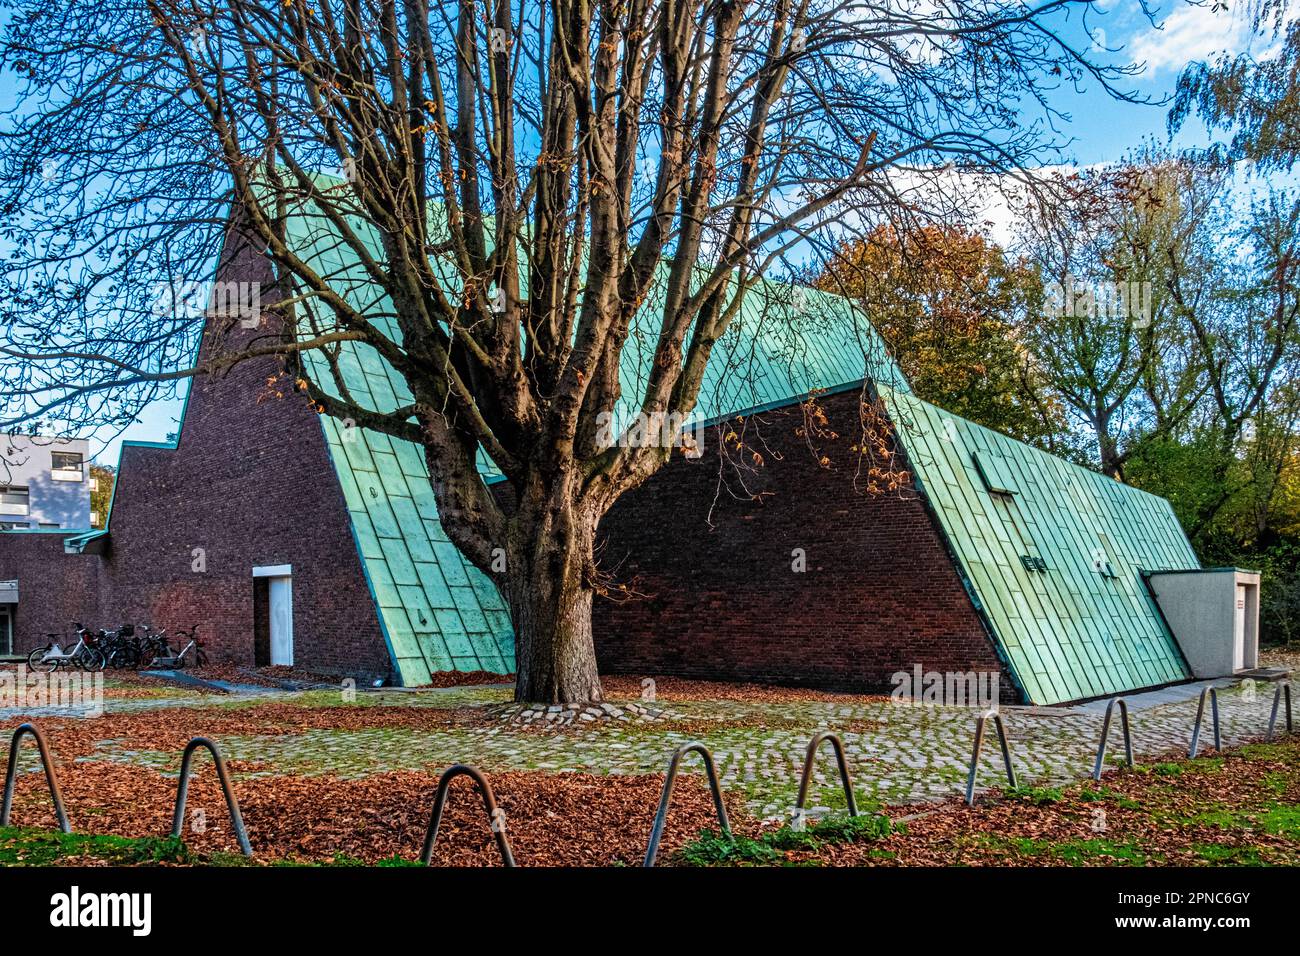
<point x="290" y="538"/>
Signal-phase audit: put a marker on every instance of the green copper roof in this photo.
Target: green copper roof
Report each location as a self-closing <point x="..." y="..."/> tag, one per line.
<point x="439" y="612"/>
<point x="1053" y="553"/>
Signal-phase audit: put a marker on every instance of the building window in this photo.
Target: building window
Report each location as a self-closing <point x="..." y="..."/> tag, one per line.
<point x="65" y="466"/>
<point x="13" y="525"/>
<point x="13" y="501"/>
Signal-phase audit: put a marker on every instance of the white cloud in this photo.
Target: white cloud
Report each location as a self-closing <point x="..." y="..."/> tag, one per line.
<point x="1190" y="33"/>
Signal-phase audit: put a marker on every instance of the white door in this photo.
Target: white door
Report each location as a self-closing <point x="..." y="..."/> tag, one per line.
<point x="1239" y="630"/>
<point x="280" y="595"/>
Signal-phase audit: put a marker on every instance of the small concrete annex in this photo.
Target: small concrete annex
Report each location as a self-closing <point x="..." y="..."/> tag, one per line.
<point x="291" y="538"/>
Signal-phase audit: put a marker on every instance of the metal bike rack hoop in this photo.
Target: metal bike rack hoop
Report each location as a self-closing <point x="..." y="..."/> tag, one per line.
<point x="183" y="791"/>
<point x="495" y="814"/>
<point x="1105" y="733"/>
<point x="11" y="776"/>
<point x="975" y="752"/>
<point x="813" y="746"/>
<point x="1200" y="714"/>
<point x="1283" y="688"/>
<point x="661" y="817"/>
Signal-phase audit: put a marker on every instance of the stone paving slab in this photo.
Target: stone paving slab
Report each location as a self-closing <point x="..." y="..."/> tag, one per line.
<point x="897" y="753"/>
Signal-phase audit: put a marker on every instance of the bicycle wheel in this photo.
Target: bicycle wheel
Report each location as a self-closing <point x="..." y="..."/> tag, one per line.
<point x="90" y="659"/>
<point x="120" y="658"/>
<point x="35" y="662"/>
<point x="200" y="658"/>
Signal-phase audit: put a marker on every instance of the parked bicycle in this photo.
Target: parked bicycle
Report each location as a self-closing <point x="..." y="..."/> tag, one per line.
<point x="191" y="655"/>
<point x="84" y="654"/>
<point x="121" y="648"/>
<point x="153" y="644"/>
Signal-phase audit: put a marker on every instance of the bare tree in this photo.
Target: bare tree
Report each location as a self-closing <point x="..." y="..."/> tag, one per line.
<point x="530" y="186"/>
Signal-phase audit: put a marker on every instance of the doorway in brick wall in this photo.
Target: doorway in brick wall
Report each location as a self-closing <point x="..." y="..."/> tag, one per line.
<point x="273" y="615"/>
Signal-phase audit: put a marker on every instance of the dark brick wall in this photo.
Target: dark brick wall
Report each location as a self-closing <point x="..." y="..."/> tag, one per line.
<point x="54" y="589"/>
<point x="250" y="484"/>
<point x="879" y="595"/>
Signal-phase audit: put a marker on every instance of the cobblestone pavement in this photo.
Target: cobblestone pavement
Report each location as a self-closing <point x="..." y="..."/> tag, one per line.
<point x="897" y="753"/>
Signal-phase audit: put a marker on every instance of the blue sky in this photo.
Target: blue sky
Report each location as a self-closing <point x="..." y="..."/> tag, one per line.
<point x="1185" y="32"/>
<point x="1102" y="129"/>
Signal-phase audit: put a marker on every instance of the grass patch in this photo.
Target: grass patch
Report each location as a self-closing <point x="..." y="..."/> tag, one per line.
<point x="1279" y="783"/>
<point x="342" y="859"/>
<point x="1103" y="794"/>
<point x="1038" y="796"/>
<point x="1278" y="819"/>
<point x="1077" y="852"/>
<point x="24" y="846"/>
<point x="713" y="849"/>
<point x="1228" y="855"/>
<point x="1270" y="751"/>
<point x="27" y="846"/>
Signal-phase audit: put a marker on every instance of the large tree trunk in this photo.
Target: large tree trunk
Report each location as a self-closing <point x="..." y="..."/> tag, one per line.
<point x="1107" y="446"/>
<point x="548" y="587"/>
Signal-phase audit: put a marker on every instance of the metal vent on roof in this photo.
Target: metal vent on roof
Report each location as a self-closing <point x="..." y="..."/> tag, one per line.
<point x="1101" y="557"/>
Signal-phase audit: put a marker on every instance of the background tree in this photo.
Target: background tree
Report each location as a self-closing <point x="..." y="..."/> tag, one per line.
<point x="951" y="306"/>
<point x="1193" y="398"/>
<point x="547" y="183"/>
<point x="1248" y="340"/>
<point x="1255" y="520"/>
<point x="102" y="495"/>
<point x="1125" y="369"/>
<point x="1257" y="100"/>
